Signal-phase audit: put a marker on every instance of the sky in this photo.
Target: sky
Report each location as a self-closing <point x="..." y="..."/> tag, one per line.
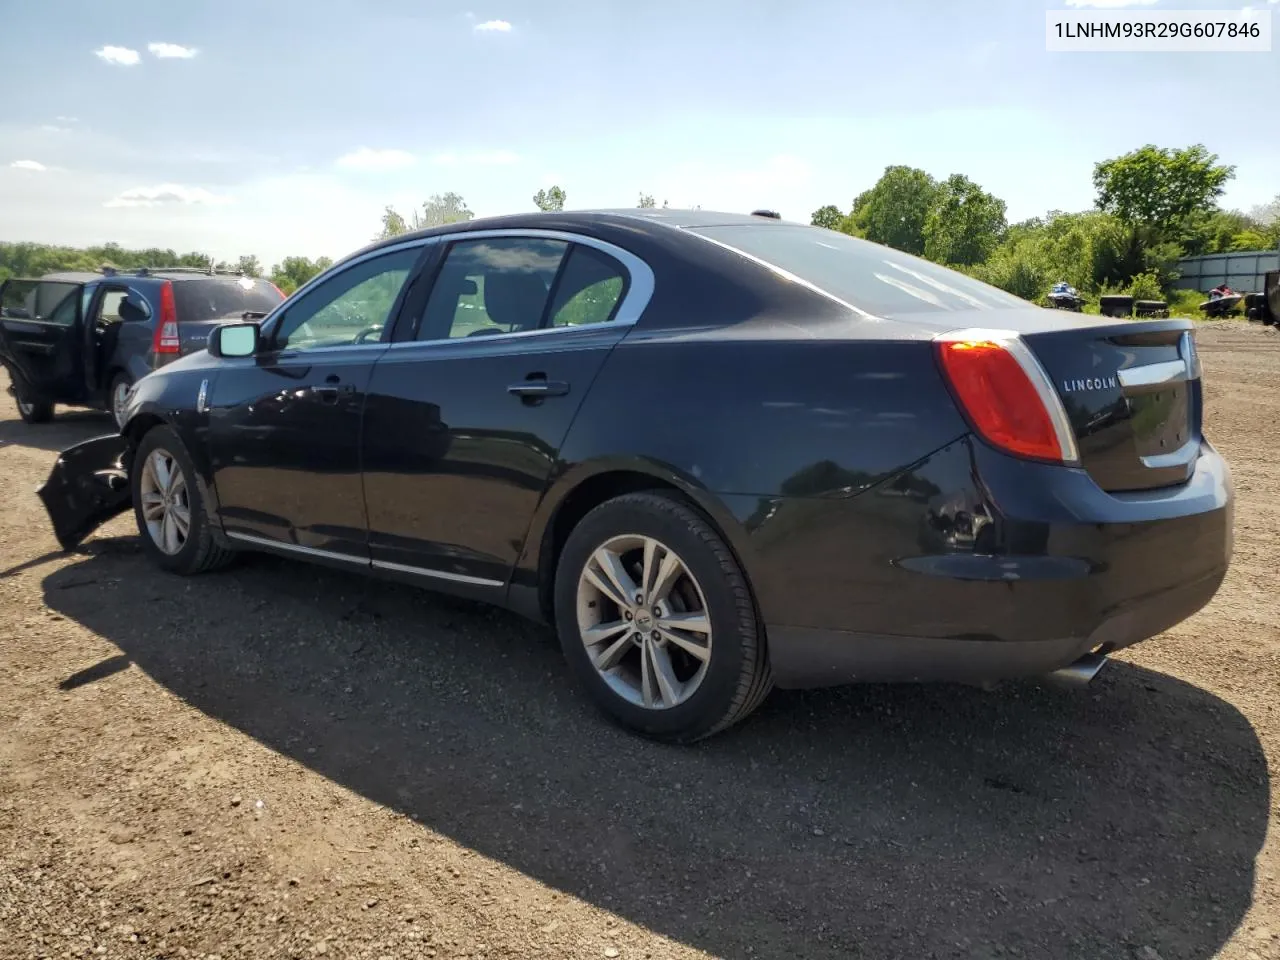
<point x="279" y="127"/>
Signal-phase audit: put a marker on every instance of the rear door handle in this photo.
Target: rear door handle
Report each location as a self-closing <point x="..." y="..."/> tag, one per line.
<point x="536" y="389"/>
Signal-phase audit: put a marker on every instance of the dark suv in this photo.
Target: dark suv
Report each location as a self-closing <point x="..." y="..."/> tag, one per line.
<point x="84" y="339"/>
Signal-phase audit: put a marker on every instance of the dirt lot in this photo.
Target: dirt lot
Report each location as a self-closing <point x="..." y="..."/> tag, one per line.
<point x="280" y="761"/>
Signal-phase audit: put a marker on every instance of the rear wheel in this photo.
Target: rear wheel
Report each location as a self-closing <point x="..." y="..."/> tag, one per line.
<point x="657" y="621"/>
<point x="120" y="385"/>
<point x="169" y="505"/>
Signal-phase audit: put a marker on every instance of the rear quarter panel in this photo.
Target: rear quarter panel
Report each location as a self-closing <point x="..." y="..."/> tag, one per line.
<point x="747" y="418"/>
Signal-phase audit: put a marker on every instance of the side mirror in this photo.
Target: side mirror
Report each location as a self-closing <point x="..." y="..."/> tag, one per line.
<point x="234" y="340"/>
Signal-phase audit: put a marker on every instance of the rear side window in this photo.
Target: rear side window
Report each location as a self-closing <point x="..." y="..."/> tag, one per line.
<point x="215" y="298"/>
<point x="876" y="279"/>
<point x="46" y="301"/>
<point x="590" y="288"/>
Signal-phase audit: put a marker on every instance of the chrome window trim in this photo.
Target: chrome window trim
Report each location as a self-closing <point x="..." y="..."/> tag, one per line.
<point x="639" y="289"/>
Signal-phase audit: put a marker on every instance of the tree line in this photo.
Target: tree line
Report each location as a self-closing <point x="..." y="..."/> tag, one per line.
<point x="1153" y="207"/>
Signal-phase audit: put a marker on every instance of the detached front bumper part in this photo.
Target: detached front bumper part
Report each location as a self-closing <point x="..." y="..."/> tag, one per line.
<point x="88" y="486"/>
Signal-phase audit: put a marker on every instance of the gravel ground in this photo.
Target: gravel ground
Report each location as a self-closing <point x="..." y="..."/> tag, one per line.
<point x="281" y="761"/>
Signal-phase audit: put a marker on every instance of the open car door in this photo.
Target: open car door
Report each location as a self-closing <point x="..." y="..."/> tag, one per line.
<point x="41" y="340"/>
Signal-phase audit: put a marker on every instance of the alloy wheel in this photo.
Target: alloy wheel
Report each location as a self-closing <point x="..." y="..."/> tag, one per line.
<point x="166" y="504"/>
<point x="119" y="396"/>
<point x="644" y="621"/>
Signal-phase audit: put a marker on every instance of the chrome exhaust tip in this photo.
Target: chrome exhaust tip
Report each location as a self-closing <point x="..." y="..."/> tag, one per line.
<point x="1079" y="672"/>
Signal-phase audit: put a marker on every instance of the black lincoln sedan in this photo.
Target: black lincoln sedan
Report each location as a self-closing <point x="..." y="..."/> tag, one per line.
<point x="717" y="452"/>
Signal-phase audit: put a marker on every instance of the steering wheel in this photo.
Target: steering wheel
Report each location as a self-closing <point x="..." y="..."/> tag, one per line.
<point x="366" y="333"/>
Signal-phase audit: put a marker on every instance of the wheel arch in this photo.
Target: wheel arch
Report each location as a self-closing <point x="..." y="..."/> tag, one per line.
<point x="580" y="491"/>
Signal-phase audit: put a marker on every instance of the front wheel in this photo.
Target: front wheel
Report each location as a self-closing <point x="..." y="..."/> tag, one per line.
<point x="656" y="619"/>
<point x="170" y="509"/>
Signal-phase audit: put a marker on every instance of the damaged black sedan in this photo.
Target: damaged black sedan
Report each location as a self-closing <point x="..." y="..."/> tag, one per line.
<point x="717" y="452"/>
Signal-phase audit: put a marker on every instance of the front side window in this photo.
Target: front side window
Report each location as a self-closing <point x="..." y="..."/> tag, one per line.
<point x="351" y="307"/>
<point x="490" y="286"/>
<point x="44" y="301"/>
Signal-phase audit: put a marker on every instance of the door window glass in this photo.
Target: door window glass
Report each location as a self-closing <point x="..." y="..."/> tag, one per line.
<point x="351" y="307"/>
<point x="490" y="286"/>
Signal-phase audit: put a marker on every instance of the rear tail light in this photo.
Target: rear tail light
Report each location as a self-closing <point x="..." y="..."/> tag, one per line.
<point x="166" y="338"/>
<point x="1006" y="395"/>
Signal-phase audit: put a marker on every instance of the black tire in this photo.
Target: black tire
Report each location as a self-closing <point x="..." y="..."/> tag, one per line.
<point x="117" y="381"/>
<point x="34" y="411"/>
<point x="199" y="553"/>
<point x="737" y="678"/>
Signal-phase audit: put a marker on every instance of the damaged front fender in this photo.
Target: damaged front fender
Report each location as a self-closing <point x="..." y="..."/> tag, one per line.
<point x="88" y="486"/>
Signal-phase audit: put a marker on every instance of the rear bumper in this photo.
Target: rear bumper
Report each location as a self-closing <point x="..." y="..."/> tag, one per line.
<point x="804" y="657"/>
<point x="975" y="567"/>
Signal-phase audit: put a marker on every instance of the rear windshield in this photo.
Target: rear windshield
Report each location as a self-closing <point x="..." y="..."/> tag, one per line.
<point x="213" y="298"/>
<point x="875" y="279"/>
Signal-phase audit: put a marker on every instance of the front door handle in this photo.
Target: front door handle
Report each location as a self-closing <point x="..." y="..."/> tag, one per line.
<point x="330" y="392"/>
<point x="536" y="389"/>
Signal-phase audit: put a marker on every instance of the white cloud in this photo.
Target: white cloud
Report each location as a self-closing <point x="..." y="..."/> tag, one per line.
<point x="493" y="26"/>
<point x="375" y="160"/>
<point x="35" y="165"/>
<point x="121" y="56"/>
<point x="53" y="128"/>
<point x="164" y="194"/>
<point x="484" y="158"/>
<point x="171" y="51"/>
<point x="1111" y="4"/>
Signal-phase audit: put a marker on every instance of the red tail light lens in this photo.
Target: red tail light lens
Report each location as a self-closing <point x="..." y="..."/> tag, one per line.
<point x="166" y="338"/>
<point x="278" y="290"/>
<point x="1006" y="394"/>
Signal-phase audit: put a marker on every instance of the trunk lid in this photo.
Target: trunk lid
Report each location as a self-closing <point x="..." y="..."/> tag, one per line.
<point x="1132" y="393"/>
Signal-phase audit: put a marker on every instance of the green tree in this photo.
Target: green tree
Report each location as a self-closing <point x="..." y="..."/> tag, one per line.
<point x="550" y="200"/>
<point x="393" y="224"/>
<point x="828" y="216"/>
<point x="964" y="224"/>
<point x="292" y="272"/>
<point x="443" y="208"/>
<point x="249" y="265"/>
<point x="646" y="201"/>
<point x="1158" y="188"/>
<point x="894" y="211"/>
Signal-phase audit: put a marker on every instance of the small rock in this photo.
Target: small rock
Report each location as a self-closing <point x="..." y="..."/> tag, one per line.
<point x="1147" y="953"/>
<point x="321" y="948"/>
<point x="1263" y="933"/>
<point x="370" y="904"/>
<point x="611" y="951"/>
<point x="236" y="801"/>
<point x="819" y="832"/>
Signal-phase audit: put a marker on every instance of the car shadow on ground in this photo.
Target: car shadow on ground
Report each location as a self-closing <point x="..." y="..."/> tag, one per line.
<point x="864" y="822"/>
<point x="66" y="429"/>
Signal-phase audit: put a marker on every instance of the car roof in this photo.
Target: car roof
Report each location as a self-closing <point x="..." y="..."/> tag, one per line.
<point x="153" y="273"/>
<point x="652" y="220"/>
